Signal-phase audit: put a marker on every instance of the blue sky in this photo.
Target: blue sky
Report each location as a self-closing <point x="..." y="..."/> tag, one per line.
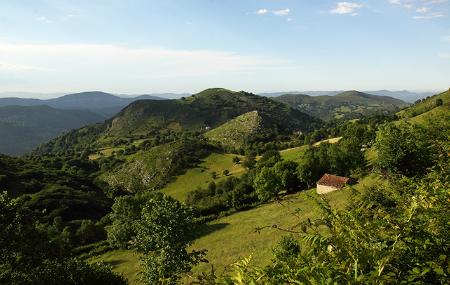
<point x="189" y="45"/>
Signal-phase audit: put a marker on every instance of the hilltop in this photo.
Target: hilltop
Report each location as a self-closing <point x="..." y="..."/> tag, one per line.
<point x="207" y="109"/>
<point x="345" y="105"/>
<point x="151" y="119"/>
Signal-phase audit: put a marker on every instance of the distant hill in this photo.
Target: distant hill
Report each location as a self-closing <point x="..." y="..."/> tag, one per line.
<point x="22" y="128"/>
<point x="207" y="109"/>
<point x="403" y="95"/>
<point x="200" y="112"/>
<point x="345" y="105"/>
<point x="102" y="103"/>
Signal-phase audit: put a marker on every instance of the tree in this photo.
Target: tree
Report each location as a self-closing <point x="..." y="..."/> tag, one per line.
<point x="161" y="231"/>
<point x="226" y="172"/>
<point x="28" y="256"/>
<point x="404" y="148"/>
<point x="250" y="161"/>
<point x="267" y="184"/>
<point x="438" y="102"/>
<point x="236" y="160"/>
<point x="287" y="175"/>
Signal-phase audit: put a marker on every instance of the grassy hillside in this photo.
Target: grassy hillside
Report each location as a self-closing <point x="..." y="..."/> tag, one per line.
<point x="201" y="175"/>
<point x="436" y="107"/>
<point x="22" y="128"/>
<point x="233" y="237"/>
<point x="239" y="130"/>
<point x="152" y="169"/>
<point x="346" y="105"/>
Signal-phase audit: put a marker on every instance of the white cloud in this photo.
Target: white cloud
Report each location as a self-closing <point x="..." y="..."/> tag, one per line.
<point x="429" y="16"/>
<point x="435" y="2"/>
<point x="422" y="10"/>
<point x="43" y="19"/>
<point x="261" y="11"/>
<point x="4" y="66"/>
<point x="85" y="66"/>
<point x="283" y="12"/>
<point x="343" y="8"/>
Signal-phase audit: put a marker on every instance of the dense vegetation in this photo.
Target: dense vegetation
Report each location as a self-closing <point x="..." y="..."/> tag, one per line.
<point x="346" y="105"/>
<point x="99" y="188"/>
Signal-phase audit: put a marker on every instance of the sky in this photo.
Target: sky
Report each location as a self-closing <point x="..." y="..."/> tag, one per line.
<point x="137" y="47"/>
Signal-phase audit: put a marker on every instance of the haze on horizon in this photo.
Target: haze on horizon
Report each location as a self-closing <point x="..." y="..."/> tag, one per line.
<point x="189" y="45"/>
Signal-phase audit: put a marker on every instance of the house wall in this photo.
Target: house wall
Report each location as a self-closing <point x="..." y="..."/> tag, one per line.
<point x="321" y="189"/>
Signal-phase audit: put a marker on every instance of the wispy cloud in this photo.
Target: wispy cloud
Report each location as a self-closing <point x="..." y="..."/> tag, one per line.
<point x="344" y="8"/>
<point x="425" y="9"/>
<point x="43" y="19"/>
<point x="428" y="16"/>
<point x="282" y="12"/>
<point x="422" y="10"/>
<point x="431" y="2"/>
<point x="262" y="11"/>
<point x="114" y="65"/>
<point x="4" y="66"/>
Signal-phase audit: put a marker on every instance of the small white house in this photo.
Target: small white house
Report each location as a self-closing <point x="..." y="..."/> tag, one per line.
<point x="329" y="183"/>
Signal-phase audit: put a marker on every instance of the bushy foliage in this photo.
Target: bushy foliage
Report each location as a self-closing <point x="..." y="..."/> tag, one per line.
<point x="29" y="256"/>
<point x="404" y="148"/>
<point x="341" y="158"/>
<point x="396" y="234"/>
<point x="231" y="193"/>
<point x="160" y="228"/>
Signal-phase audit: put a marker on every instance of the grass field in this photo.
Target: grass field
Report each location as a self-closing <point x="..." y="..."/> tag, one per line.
<point x="200" y="176"/>
<point x="294" y="154"/>
<point x="233" y="237"/>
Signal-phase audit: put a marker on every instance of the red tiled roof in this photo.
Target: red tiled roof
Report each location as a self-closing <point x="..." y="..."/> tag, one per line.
<point x="333" y="180"/>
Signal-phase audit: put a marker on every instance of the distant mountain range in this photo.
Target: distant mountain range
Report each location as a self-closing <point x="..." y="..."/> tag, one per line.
<point x="39" y="120"/>
<point x="404" y="95"/>
<point x="101" y="103"/>
<point x="22" y="128"/>
<point x="25" y="123"/>
<point x="206" y="110"/>
<point x="345" y="105"/>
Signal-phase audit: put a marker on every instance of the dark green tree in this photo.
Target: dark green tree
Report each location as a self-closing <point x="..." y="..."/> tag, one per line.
<point x="161" y="229"/>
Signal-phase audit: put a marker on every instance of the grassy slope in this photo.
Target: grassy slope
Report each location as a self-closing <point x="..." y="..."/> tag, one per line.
<point x="426" y="107"/>
<point x="233" y="237"/>
<point x="200" y="176"/>
<point x="235" y="132"/>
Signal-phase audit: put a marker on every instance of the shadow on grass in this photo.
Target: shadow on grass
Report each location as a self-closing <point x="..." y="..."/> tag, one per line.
<point x="206" y="229"/>
<point x="115" y="262"/>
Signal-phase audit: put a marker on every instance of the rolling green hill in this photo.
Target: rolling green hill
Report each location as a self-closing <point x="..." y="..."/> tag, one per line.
<point x="207" y="109"/>
<point x="346" y="105"/>
<point x="436" y="107"/>
<point x="22" y="128"/>
<point x="169" y="120"/>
